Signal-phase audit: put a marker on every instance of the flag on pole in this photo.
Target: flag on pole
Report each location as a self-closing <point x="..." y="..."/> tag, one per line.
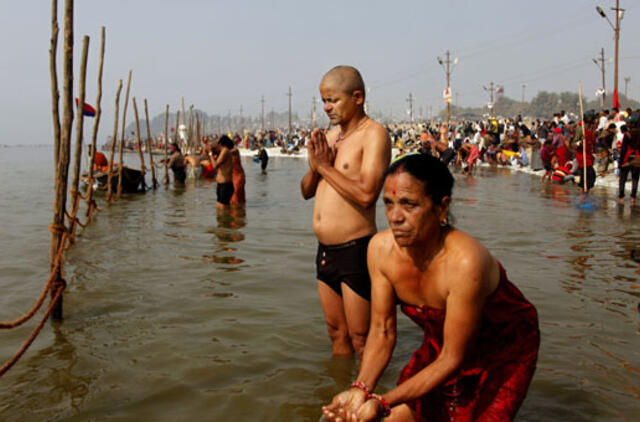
<point x="616" y="103"/>
<point x="87" y="110"/>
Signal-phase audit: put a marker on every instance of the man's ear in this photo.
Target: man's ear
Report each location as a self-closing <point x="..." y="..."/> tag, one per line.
<point x="358" y="94"/>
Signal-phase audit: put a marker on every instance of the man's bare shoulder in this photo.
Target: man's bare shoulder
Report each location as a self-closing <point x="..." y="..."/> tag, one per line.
<point x="376" y="132"/>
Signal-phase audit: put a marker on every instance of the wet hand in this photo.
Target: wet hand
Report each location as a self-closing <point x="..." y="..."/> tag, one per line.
<point x="371" y="410"/>
<point x="344" y="406"/>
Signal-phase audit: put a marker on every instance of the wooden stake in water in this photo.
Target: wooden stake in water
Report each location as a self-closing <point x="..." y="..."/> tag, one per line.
<point x="79" y="124"/>
<point x="151" y="163"/>
<point x="59" y="204"/>
<point x="166" y="143"/>
<point x="135" y="113"/>
<point x="584" y="140"/>
<point x="114" y="139"/>
<point x="55" y="93"/>
<point x="96" y="122"/>
<point x="121" y="148"/>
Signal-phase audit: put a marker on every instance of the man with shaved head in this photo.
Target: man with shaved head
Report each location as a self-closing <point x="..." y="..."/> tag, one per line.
<point x="346" y="168"/>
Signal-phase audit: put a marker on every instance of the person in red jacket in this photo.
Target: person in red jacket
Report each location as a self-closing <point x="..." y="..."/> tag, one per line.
<point x="629" y="159"/>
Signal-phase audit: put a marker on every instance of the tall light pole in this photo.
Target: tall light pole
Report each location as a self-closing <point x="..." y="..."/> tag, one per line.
<point x="601" y="66"/>
<point x="626" y="84"/>
<point x="290" y="126"/>
<point x="448" y="68"/>
<point x="523" y="88"/>
<point x="262" y="113"/>
<point x="410" y="101"/>
<point x="490" y="90"/>
<point x="619" y="14"/>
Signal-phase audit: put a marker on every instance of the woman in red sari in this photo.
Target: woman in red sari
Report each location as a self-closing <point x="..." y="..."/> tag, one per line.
<point x="238" y="178"/>
<point x="480" y="335"/>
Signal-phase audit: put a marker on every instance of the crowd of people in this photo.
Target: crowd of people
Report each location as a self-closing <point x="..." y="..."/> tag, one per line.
<point x="553" y="147"/>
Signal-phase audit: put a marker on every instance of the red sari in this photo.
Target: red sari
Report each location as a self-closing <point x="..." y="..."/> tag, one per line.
<point x="238" y="179"/>
<point x="493" y="380"/>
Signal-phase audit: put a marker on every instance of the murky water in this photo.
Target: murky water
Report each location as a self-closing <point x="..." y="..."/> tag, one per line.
<point x="175" y="313"/>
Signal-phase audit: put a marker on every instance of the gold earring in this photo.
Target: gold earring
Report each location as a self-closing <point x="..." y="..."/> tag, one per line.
<point x="445" y="222"/>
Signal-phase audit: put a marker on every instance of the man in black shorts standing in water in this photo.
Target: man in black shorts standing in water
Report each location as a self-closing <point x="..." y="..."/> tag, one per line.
<point x="223" y="164"/>
<point x="346" y="168"/>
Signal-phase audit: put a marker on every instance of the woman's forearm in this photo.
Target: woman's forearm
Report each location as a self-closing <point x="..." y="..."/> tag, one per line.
<point x="376" y="356"/>
<point x="424" y="381"/>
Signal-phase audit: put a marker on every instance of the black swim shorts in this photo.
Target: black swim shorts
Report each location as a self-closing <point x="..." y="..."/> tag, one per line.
<point x="345" y="263"/>
<point x="224" y="192"/>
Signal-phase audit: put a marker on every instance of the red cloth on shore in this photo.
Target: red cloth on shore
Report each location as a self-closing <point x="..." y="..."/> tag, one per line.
<point x="493" y="380"/>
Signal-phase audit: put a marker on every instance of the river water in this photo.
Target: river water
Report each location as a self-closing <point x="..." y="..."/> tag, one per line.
<point x="176" y="313"/>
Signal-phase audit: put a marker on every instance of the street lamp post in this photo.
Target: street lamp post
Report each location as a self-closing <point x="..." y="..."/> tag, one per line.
<point x="616" y="29"/>
<point x="601" y="67"/>
<point x="448" y="68"/>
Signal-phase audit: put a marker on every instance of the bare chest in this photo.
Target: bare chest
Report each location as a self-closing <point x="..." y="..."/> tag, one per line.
<point x="348" y="156"/>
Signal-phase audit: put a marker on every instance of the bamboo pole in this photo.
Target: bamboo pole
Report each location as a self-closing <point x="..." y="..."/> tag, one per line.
<point x="197" y="137"/>
<point x="135" y="113"/>
<point x="121" y="148"/>
<point x="151" y="163"/>
<point x="166" y="144"/>
<point x="55" y="93"/>
<point x="183" y="114"/>
<point x="59" y="204"/>
<point x="584" y="141"/>
<point x="77" y="156"/>
<point x="96" y="122"/>
<point x="114" y="139"/>
<point x="190" y="128"/>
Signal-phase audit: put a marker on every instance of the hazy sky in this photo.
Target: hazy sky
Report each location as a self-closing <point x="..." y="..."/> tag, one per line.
<point x="221" y="55"/>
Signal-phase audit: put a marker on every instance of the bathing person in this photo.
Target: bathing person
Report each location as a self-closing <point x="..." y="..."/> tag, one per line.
<point x="480" y="334"/>
<point x="346" y="167"/>
<point x="223" y="164"/>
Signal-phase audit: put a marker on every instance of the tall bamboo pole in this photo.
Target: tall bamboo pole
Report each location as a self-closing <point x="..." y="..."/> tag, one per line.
<point x="122" y="134"/>
<point x="151" y="163"/>
<point x="166" y="143"/>
<point x="584" y="140"/>
<point x="175" y="139"/>
<point x="190" y="128"/>
<point x="59" y="204"/>
<point x="114" y="139"/>
<point x="183" y="114"/>
<point x="135" y="113"/>
<point x="55" y="93"/>
<point x="77" y="157"/>
<point x="96" y="122"/>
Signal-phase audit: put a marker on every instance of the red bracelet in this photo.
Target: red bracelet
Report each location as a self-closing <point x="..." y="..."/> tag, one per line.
<point x="362" y="386"/>
<point x="386" y="408"/>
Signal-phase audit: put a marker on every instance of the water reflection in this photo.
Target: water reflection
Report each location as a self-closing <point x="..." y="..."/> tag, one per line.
<point x="230" y="220"/>
<point x="62" y="382"/>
